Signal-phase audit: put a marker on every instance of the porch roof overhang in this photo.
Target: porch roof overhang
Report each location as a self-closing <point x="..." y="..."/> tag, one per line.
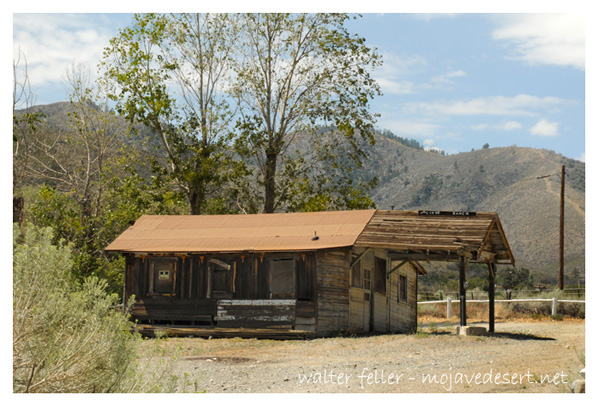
<point x="438" y="236"/>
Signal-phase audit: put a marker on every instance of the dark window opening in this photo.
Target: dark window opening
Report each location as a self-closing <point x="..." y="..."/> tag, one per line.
<point x="222" y="279"/>
<point x="380" y="275"/>
<point x="282" y="278"/>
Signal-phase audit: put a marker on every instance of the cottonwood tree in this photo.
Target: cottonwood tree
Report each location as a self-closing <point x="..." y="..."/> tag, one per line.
<point x="73" y="160"/>
<point x="169" y="72"/>
<point x="304" y="80"/>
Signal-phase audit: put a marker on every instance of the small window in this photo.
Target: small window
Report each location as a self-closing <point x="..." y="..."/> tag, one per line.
<point x="162" y="280"/>
<point x="403" y="288"/>
<point x="356" y="274"/>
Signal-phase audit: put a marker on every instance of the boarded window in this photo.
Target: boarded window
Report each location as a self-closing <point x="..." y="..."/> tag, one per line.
<point x="403" y="288"/>
<point x="380" y="275"/>
<point x="282" y="278"/>
<point x="222" y="278"/>
<point x="356" y="274"/>
<point x="162" y="276"/>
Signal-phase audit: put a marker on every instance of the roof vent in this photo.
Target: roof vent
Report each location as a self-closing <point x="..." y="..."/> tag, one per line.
<point x="315" y="237"/>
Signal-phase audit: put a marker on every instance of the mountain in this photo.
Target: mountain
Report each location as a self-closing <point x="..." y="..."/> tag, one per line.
<point x="503" y="180"/>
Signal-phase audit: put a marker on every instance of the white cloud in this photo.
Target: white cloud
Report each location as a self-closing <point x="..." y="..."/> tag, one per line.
<point x="554" y="39"/>
<point x="53" y="42"/>
<point x="511" y="125"/>
<point x="390" y="86"/>
<point x="391" y="76"/>
<point x="446" y="78"/>
<point x="519" y="105"/>
<point x="545" y="128"/>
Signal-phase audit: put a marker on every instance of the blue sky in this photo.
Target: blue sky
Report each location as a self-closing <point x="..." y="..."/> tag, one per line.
<point x="451" y="81"/>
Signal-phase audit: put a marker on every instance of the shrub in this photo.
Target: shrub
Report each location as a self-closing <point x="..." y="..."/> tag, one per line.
<point x="67" y="336"/>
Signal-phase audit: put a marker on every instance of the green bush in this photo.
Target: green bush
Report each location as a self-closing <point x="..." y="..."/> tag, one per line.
<point x="67" y="336"/>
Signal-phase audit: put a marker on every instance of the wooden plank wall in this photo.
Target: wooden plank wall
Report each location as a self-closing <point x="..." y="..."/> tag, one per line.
<point x="192" y="301"/>
<point x="403" y="315"/>
<point x="255" y="313"/>
<point x="332" y="283"/>
<point x="358" y="318"/>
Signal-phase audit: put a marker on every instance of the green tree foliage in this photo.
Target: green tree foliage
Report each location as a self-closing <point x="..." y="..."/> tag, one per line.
<point x="67" y="336"/>
<point x="405" y="141"/>
<point x="303" y="78"/>
<point x="193" y="52"/>
<point x="514" y="278"/>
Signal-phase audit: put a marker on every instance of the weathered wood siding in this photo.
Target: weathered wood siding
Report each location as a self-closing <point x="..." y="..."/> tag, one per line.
<point x="332" y="291"/>
<point x="255" y="313"/>
<point x="200" y="282"/>
<point x="174" y="310"/>
<point x="359" y="313"/>
<point x="389" y="314"/>
<point x="403" y="314"/>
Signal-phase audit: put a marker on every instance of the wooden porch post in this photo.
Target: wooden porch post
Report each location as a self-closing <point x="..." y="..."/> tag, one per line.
<point x="463" y="264"/>
<point x="492" y="271"/>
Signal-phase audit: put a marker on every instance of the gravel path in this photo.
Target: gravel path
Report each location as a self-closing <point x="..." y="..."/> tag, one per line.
<point x="518" y="358"/>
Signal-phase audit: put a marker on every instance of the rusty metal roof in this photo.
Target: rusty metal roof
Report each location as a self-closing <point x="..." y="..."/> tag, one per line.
<point x="235" y="233"/>
<point x="413" y="235"/>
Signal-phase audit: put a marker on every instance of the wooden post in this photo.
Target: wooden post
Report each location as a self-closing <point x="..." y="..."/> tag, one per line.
<point x="448" y="307"/>
<point x="553" y="306"/>
<point x="561" y="231"/>
<point x="492" y="271"/>
<point x="463" y="264"/>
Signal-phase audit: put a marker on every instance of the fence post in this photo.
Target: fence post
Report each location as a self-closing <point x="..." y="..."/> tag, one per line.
<point x="448" y="307"/>
<point x="553" y="306"/>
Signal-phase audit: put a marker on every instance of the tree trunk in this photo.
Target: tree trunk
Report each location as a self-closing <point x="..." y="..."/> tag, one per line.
<point x="18" y="202"/>
<point x="196" y="199"/>
<point x="269" y="182"/>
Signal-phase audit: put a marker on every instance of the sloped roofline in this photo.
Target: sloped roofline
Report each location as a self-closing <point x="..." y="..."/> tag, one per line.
<point x="414" y="235"/>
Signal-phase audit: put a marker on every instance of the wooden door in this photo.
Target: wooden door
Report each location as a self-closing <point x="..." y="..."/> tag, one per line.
<point x="380" y="307"/>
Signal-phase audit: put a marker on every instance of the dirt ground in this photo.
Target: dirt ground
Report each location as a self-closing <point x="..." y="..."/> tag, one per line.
<point x="521" y="357"/>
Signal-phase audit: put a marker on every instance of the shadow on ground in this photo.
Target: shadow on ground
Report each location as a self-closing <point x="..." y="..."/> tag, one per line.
<point x="519" y="336"/>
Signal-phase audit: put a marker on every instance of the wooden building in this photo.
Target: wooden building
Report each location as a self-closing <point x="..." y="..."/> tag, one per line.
<point x="294" y="274"/>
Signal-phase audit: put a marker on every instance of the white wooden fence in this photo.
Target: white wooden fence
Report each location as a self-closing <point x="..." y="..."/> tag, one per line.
<point x="554" y="302"/>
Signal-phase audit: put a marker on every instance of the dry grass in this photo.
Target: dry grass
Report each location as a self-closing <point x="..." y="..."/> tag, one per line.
<point x="503" y="312"/>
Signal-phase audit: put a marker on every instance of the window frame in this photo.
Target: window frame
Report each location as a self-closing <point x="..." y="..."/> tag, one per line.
<point x="216" y="267"/>
<point x="380" y="275"/>
<point x="402" y="293"/>
<point x="154" y="272"/>
<point x="357" y="268"/>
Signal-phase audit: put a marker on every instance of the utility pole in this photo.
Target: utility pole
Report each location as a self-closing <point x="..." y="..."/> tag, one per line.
<point x="561" y="225"/>
<point x="561" y="230"/>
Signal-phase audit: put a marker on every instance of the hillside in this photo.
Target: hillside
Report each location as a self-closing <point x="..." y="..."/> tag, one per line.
<point x="502" y="180"/>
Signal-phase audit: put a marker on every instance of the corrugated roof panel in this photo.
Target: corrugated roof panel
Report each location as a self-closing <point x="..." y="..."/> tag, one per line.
<point x="232" y="233"/>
